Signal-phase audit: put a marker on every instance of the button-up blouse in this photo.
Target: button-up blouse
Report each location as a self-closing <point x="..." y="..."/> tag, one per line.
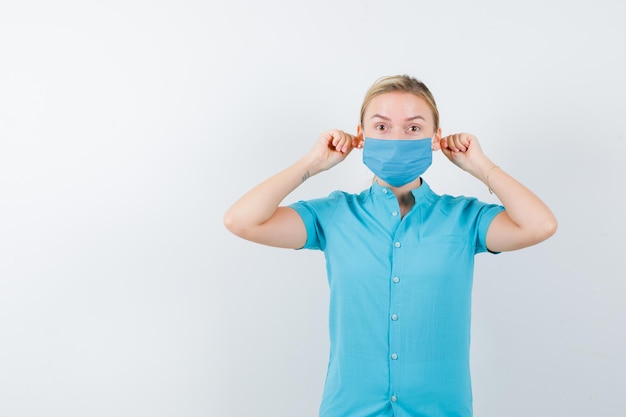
<point x="400" y="300"/>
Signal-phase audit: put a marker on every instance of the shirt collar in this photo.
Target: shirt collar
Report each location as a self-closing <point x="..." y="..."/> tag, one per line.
<point x="419" y="193"/>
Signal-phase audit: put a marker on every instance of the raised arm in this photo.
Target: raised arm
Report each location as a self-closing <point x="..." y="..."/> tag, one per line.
<point x="257" y="216"/>
<point x="526" y="221"/>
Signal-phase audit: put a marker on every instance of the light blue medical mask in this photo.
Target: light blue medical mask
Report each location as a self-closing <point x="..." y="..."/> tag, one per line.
<point x="397" y="162"/>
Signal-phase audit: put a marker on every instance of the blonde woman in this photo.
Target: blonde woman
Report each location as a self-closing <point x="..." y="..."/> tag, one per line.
<point x="400" y="257"/>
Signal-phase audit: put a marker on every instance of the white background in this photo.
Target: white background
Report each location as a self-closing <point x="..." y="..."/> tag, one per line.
<point x="127" y="128"/>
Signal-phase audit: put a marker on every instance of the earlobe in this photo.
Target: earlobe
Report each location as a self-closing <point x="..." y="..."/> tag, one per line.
<point x="359" y="137"/>
<point x="436" y="145"/>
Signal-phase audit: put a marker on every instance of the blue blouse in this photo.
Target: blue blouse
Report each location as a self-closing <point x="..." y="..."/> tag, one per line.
<point x="400" y="300"/>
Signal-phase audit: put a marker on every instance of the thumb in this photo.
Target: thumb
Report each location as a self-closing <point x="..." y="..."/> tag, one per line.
<point x="443" y="145"/>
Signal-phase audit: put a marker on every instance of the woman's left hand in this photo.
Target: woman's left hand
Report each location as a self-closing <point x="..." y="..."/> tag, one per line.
<point x="464" y="151"/>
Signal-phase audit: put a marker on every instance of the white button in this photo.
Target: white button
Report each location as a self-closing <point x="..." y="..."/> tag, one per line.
<point x="397" y="244"/>
<point x="394" y="317"/>
<point x="396" y="280"/>
<point x="393" y="398"/>
<point x="394" y="213"/>
<point x="394" y="356"/>
<point x="385" y="191"/>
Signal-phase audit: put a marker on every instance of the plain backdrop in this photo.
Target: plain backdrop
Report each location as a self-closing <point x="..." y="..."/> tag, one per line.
<point x="127" y="128"/>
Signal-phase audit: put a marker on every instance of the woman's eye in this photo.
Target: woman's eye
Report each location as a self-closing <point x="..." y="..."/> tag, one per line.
<point x="381" y="127"/>
<point x="414" y="128"/>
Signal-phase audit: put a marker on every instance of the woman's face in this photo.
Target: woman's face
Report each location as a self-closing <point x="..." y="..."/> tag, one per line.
<point x="398" y="115"/>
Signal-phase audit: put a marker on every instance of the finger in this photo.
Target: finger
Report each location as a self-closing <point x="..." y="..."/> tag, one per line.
<point x="340" y="141"/>
<point x="464" y="140"/>
<point x="460" y="143"/>
<point x="345" y="144"/>
<point x="342" y="145"/>
<point x="450" y="141"/>
<point x="443" y="143"/>
<point x="457" y="143"/>
<point x="335" y="135"/>
<point x="348" y="142"/>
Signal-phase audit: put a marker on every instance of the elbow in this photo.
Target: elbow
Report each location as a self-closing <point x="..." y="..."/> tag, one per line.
<point x="547" y="230"/>
<point x="236" y="225"/>
<point x="552" y="226"/>
<point x="231" y="223"/>
<point x="539" y="232"/>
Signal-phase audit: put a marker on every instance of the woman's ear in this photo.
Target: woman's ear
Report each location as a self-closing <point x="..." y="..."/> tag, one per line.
<point x="359" y="137"/>
<point x="436" y="145"/>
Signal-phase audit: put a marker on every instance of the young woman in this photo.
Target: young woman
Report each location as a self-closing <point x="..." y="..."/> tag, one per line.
<point x="399" y="257"/>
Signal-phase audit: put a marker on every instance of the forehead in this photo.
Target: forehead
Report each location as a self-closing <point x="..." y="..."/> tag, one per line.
<point x="398" y="105"/>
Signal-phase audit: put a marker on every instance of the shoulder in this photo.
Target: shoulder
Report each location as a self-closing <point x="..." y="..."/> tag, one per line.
<point x="458" y="200"/>
<point x="451" y="204"/>
<point x="335" y="197"/>
<point x="330" y="202"/>
<point x="425" y="193"/>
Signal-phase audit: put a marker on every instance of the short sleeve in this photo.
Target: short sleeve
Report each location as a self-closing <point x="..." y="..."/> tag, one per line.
<point x="485" y="216"/>
<point x="316" y="215"/>
<point x="314" y="233"/>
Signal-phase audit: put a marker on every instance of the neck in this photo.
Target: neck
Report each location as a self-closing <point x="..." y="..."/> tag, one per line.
<point x="403" y="190"/>
<point x="406" y="202"/>
<point x="404" y="194"/>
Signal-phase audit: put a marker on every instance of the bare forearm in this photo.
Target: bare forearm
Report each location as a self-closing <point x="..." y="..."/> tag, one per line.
<point x="258" y="216"/>
<point x="524" y="208"/>
<point x="259" y="204"/>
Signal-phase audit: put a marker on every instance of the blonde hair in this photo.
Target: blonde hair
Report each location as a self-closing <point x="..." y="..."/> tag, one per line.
<point x="400" y="83"/>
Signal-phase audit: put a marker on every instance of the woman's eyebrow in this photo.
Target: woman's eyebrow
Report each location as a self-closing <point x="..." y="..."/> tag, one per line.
<point x="380" y="116"/>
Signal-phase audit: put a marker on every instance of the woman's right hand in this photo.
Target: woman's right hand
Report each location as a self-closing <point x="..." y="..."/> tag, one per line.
<point x="332" y="147"/>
